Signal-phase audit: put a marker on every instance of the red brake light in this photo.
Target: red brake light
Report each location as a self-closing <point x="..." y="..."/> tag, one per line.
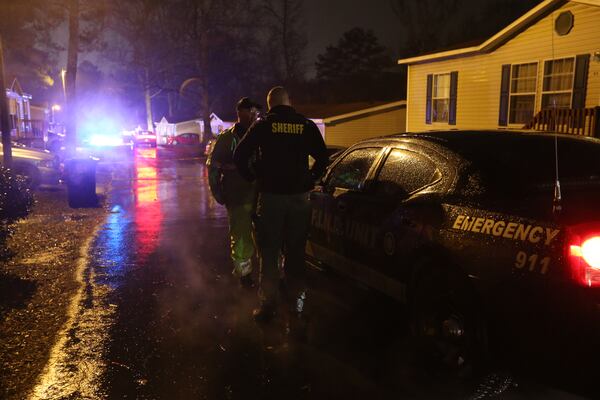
<point x="584" y="257"/>
<point x="590" y="250"/>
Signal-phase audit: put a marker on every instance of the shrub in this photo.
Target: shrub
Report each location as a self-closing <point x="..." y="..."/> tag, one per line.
<point x="16" y="201"/>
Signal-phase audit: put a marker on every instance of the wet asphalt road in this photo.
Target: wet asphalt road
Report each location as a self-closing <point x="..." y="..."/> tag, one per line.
<point x="182" y="326"/>
<point x="166" y="320"/>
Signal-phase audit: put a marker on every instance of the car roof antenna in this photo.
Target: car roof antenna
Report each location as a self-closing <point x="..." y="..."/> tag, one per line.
<point x="557" y="201"/>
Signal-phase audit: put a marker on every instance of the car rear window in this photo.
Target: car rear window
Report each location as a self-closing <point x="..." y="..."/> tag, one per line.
<point x="404" y="172"/>
<point x="514" y="164"/>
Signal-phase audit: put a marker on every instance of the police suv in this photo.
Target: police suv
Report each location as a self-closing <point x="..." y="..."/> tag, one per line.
<point x="481" y="233"/>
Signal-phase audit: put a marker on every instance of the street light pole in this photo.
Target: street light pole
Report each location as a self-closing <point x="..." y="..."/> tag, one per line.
<point x="4" y="121"/>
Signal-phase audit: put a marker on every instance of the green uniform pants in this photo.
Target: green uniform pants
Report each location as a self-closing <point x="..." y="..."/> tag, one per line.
<point x="240" y="232"/>
<point x="282" y="223"/>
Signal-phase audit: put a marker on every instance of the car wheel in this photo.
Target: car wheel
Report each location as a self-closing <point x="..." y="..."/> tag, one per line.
<point x="447" y="323"/>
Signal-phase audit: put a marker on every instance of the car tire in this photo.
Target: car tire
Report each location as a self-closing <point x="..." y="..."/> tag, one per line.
<point x="447" y="323"/>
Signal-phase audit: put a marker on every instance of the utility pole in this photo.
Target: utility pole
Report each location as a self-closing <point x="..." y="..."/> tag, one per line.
<point x="148" y="99"/>
<point x="71" y="77"/>
<point x="4" y="121"/>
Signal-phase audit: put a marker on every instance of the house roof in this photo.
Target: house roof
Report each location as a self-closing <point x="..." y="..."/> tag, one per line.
<point x="16" y="91"/>
<point x="589" y="2"/>
<point x="16" y="87"/>
<point x="320" y="111"/>
<point x="491" y="44"/>
<point x="329" y="113"/>
<point x="213" y="117"/>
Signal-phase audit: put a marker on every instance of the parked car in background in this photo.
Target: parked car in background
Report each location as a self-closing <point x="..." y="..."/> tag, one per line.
<point x="142" y="138"/>
<point x="38" y="167"/>
<point x="184" y="139"/>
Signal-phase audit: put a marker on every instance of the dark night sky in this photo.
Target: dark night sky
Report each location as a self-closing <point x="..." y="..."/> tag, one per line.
<point x="327" y="20"/>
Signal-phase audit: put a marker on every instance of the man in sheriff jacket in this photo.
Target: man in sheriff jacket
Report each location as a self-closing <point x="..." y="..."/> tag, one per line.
<point x="229" y="188"/>
<point x="282" y="142"/>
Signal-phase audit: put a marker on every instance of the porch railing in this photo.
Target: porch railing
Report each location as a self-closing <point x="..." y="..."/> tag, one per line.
<point x="31" y="128"/>
<point x="575" y="121"/>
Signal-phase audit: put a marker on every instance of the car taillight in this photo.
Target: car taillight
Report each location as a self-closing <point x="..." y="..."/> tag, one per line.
<point x="584" y="258"/>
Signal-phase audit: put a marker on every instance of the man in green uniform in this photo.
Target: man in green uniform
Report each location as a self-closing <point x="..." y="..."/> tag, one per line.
<point x="282" y="142"/>
<point x="229" y="188"/>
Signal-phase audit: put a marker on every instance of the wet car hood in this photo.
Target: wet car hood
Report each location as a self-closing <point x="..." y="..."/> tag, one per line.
<point x="21" y="152"/>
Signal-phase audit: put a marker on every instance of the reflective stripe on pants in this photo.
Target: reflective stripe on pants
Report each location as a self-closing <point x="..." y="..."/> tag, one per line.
<point x="240" y="232"/>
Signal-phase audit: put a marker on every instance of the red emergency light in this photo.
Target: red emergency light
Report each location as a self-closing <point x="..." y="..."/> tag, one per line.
<point x="584" y="256"/>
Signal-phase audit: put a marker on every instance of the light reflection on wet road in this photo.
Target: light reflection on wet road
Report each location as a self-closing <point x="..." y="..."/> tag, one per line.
<point x="181" y="326"/>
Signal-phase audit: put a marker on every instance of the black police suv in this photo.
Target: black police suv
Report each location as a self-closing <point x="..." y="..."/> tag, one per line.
<point x="473" y="231"/>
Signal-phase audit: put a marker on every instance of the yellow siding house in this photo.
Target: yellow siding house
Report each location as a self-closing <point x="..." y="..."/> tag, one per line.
<point x="346" y="124"/>
<point x="347" y="129"/>
<point x="542" y="69"/>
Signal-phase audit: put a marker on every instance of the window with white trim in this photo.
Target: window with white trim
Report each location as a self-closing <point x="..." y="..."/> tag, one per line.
<point x="523" y="80"/>
<point x="440" y="99"/>
<point x="557" y="90"/>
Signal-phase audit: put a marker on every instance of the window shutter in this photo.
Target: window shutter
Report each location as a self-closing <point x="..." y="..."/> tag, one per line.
<point x="504" y="92"/>
<point x="582" y="63"/>
<point x="452" y="106"/>
<point x="428" y="102"/>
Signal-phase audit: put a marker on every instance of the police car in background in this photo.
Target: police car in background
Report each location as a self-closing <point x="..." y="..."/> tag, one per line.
<point x="465" y="228"/>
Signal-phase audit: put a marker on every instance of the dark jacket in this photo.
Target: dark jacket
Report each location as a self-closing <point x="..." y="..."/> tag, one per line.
<point x="226" y="184"/>
<point x="282" y="142"/>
